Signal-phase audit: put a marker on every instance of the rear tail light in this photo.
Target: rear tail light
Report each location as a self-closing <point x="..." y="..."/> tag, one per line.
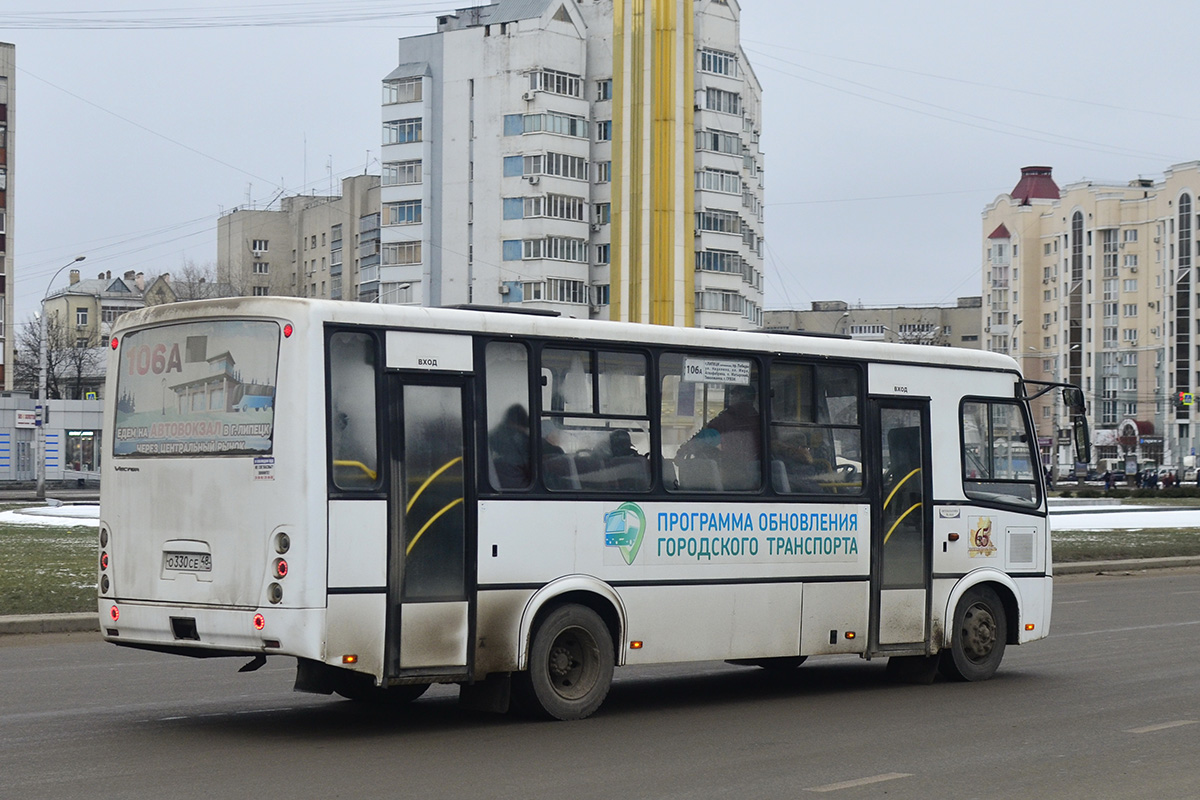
<point x="115" y="613"/>
<point x="259" y="622"/>
<point x="281" y="568"/>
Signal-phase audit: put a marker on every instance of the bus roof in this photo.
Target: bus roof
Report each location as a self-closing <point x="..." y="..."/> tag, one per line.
<point x="501" y="321"/>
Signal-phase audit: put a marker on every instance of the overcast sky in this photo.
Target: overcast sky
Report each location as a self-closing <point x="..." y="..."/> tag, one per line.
<point x="888" y="127"/>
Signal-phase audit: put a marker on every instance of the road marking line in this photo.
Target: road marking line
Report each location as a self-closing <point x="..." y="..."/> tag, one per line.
<point x="833" y="787"/>
<point x="1162" y="726"/>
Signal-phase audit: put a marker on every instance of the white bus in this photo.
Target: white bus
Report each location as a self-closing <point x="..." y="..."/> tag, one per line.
<point x="518" y="503"/>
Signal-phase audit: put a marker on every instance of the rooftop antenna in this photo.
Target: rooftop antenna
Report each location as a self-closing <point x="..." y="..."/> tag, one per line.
<point x="329" y="169"/>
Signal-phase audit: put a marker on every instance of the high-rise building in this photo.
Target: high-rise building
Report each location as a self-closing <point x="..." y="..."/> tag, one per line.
<point x="311" y="246"/>
<point x="1094" y="284"/>
<point x="8" y="71"/>
<point x="595" y="157"/>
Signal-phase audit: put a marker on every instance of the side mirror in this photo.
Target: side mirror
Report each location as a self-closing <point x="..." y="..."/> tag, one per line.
<point x="1073" y="400"/>
<point x="1081" y="438"/>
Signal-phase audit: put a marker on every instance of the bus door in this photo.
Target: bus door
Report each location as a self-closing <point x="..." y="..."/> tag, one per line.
<point x="901" y="526"/>
<point x="429" y="505"/>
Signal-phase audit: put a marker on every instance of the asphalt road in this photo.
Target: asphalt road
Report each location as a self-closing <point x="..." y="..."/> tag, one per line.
<point x="1108" y="707"/>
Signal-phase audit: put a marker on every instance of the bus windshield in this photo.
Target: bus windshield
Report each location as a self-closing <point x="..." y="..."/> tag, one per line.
<point x="200" y="388"/>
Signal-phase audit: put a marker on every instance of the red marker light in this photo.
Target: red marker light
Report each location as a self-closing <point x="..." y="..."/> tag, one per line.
<point x="115" y="613"/>
<point x="287" y="330"/>
<point x="259" y="622"/>
<point x="114" y="343"/>
<point x="104" y="561"/>
<point x="280" y="568"/>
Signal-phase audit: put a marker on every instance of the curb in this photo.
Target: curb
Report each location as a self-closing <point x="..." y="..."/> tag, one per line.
<point x="50" y="623"/>
<point x="1125" y="565"/>
<point x="90" y="620"/>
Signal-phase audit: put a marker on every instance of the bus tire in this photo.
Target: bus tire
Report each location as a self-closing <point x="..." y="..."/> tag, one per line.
<point x="978" y="639"/>
<point x="570" y="666"/>
<point x="362" y="689"/>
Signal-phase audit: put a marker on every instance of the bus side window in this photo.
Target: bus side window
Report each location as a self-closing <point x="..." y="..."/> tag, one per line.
<point x="507" y="376"/>
<point x="354" y="441"/>
<point x="711" y="423"/>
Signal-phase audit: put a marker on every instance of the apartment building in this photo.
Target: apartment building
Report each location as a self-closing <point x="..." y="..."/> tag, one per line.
<point x="310" y="246"/>
<point x="1093" y="283"/>
<point x="592" y="157"/>
<point x="8" y="96"/>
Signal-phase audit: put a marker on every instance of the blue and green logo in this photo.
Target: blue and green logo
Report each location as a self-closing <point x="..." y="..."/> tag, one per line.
<point x="624" y="529"/>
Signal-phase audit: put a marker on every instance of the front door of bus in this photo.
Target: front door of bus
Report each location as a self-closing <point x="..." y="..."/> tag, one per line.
<point x="428" y="622"/>
<point x="901" y="532"/>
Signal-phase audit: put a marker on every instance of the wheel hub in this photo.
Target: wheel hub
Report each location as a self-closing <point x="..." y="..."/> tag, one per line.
<point x="979" y="633"/>
<point x="561" y="662"/>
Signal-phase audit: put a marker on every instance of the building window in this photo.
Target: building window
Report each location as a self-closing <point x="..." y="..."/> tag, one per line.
<point x="1131" y="234"/>
<point x="404" y="90"/>
<point x="604" y="131"/>
<point x="562" y="290"/>
<point x="259" y="245"/>
<point x="1131" y="260"/>
<point x="558" y="164"/>
<point x="602" y="213"/>
<point x="556" y="206"/>
<point x="1129" y="310"/>
<point x="401" y="173"/>
<point x="556" y="248"/>
<point x="719" y="261"/>
<point x="549" y="122"/>
<point x="260" y="291"/>
<point x="401" y="253"/>
<point x="722" y="101"/>
<point x="719" y="180"/>
<point x="260" y="267"/>
<point x="603" y="253"/>
<point x="555" y="82"/>
<point x="604" y="89"/>
<point x="402" y="131"/>
<point x="718" y="221"/>
<point x="603" y="172"/>
<point x="720" y="301"/>
<point x="81" y="317"/>
<point x="718" y="62"/>
<point x="719" y="142"/>
<point x="405" y="213"/>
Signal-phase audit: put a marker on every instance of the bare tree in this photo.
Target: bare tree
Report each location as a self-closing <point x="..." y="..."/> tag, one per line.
<point x="74" y="362"/>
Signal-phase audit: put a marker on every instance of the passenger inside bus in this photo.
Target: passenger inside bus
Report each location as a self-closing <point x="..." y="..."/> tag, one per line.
<point x="508" y="444"/>
<point x="734" y="438"/>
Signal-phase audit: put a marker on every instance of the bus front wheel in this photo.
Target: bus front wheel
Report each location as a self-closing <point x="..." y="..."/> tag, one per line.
<point x="570" y="665"/>
<point x="977" y="641"/>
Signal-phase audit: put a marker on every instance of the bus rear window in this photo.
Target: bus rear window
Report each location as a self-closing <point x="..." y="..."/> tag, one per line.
<point x="196" y="389"/>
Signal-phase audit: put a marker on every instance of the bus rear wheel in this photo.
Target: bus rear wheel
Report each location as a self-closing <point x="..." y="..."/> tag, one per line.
<point x="978" y="639"/>
<point x="570" y="666"/>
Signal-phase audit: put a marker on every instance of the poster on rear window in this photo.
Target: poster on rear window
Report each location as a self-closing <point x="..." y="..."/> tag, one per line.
<point x="199" y="388"/>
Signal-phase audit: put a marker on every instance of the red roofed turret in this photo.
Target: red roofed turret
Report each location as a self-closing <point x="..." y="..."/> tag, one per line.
<point x="1001" y="232"/>
<point x="1035" y="184"/>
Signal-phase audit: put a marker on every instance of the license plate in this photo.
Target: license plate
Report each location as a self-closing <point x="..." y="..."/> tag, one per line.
<point x="188" y="562"/>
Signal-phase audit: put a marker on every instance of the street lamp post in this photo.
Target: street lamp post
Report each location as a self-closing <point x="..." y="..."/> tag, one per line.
<point x="45" y="401"/>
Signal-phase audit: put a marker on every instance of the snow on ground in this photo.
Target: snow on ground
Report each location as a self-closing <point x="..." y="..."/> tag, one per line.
<point x="63" y="516"/>
<point x="1107" y="518"/>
